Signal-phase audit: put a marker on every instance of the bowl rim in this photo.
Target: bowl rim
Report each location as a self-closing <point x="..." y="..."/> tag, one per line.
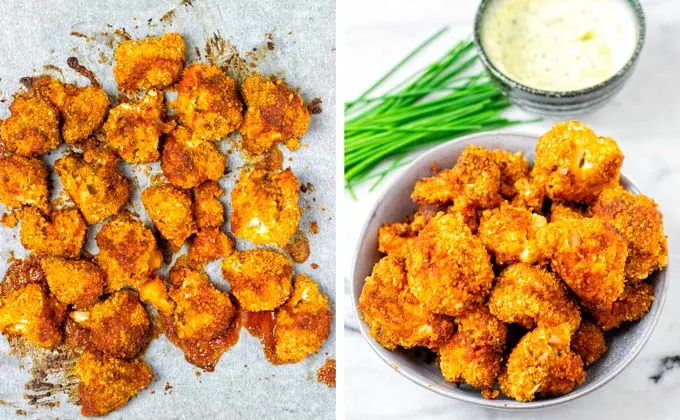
<point x="619" y="75"/>
<point x="510" y="405"/>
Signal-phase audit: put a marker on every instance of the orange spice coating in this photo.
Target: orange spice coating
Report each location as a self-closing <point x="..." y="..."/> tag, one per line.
<point x="188" y="164"/>
<point x="33" y="127"/>
<point x="30" y="312"/>
<point x="632" y="305"/>
<point x="210" y="244"/>
<point x="155" y="293"/>
<point x="20" y="273"/>
<point x="509" y="234"/>
<point x="395" y="317"/>
<point x="106" y="383"/>
<point x="275" y="114"/>
<point x="73" y="282"/>
<point x="265" y="206"/>
<point x="208" y="209"/>
<point x="23" y="181"/>
<point x="530" y="194"/>
<point x="260" y="279"/>
<point x="396" y="239"/>
<point x="588" y="342"/>
<point x="559" y="211"/>
<point x="448" y="268"/>
<point x="61" y="234"/>
<point x="207" y="102"/>
<point x="638" y="219"/>
<point x="153" y="62"/>
<point x="514" y="167"/>
<point x="170" y="211"/>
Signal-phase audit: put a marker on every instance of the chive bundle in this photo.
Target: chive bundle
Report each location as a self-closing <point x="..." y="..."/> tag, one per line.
<point x="436" y="104"/>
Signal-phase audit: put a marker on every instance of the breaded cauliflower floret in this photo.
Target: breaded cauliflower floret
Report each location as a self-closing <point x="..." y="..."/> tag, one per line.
<point x="396" y="239"/>
<point x="210" y="244"/>
<point x="21" y="273"/>
<point x="207" y="102"/>
<point x="127" y="253"/>
<point x="154" y="62"/>
<point x="155" y="293"/>
<point x="30" y="312"/>
<point x="170" y="211"/>
<point x="208" y="209"/>
<point x="574" y="164"/>
<point x="441" y="188"/>
<point x="509" y="234"/>
<point x="62" y="234"/>
<point x="632" y="305"/>
<point x="590" y="256"/>
<point x="133" y="129"/>
<point x="33" y="127"/>
<point x="530" y="194"/>
<point x="303" y="323"/>
<point x="448" y="268"/>
<point x="542" y="363"/>
<point x="260" y="278"/>
<point x="73" y="282"/>
<point x="395" y="317"/>
<point x="23" y="181"/>
<point x="588" y="342"/>
<point x="188" y="164"/>
<point x="532" y="296"/>
<point x="265" y="206"/>
<point x="559" y="211"/>
<point x="275" y="114"/>
<point x="639" y="220"/>
<point x="514" y="167"/>
<point x="107" y="383"/>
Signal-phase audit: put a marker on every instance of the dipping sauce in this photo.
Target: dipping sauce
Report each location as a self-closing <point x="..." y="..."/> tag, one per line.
<point x="559" y="45"/>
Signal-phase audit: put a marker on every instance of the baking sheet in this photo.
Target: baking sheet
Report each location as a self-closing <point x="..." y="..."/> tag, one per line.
<point x="292" y="39"/>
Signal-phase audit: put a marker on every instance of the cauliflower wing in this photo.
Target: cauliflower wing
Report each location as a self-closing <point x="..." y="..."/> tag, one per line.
<point x="32" y="313"/>
<point x="23" y="181"/>
<point x="509" y="234"/>
<point x="73" y="282"/>
<point x="170" y="210"/>
<point x="588" y="342"/>
<point x="62" y="234"/>
<point x="188" y="164"/>
<point x="208" y="209"/>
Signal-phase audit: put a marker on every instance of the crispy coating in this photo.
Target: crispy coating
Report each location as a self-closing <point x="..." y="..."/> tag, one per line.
<point x="632" y="305"/>
<point x="395" y="317"/>
<point x="153" y="62"/>
<point x="559" y="211"/>
<point x="30" y="312"/>
<point x="94" y="183"/>
<point x="207" y="102"/>
<point x="482" y="328"/>
<point x="514" y="167"/>
<point x="531" y="296"/>
<point x="588" y="342"/>
<point x="275" y="114"/>
<point x="133" y="129"/>
<point x="170" y="210"/>
<point x="21" y="273"/>
<point x="23" y="181"/>
<point x="303" y="323"/>
<point x="33" y="127"/>
<point x="155" y="292"/>
<point x="590" y="256"/>
<point x="509" y="234"/>
<point x="638" y="219"/>
<point x="441" y="188"/>
<point x="265" y="206"/>
<point x="127" y="253"/>
<point x="448" y="268"/>
<point x="396" y="239"/>
<point x="260" y="278"/>
<point x="73" y="282"/>
<point x="210" y="244"/>
<point x="188" y="164"/>
<point x="575" y="164"/>
<point x="530" y="194"/>
<point x="542" y="363"/>
<point x="106" y="383"/>
<point x="62" y="234"/>
<point x="208" y="209"/>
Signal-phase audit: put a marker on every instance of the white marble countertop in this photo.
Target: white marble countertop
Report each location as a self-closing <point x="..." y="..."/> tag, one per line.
<point x="645" y="120"/>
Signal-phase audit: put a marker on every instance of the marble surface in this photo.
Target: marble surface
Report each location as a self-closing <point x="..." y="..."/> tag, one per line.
<point x="645" y="120"/>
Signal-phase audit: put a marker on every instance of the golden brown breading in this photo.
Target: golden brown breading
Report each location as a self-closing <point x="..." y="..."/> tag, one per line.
<point x="260" y="278"/>
<point x="275" y="114"/>
<point x="559" y="211"/>
<point x="170" y="211"/>
<point x="530" y="194"/>
<point x="588" y="342"/>
<point x="21" y="273"/>
<point x="441" y="188"/>
<point x="589" y="255"/>
<point x="155" y="293"/>
<point x="188" y="164"/>
<point x="61" y="235"/>
<point x="532" y="296"/>
<point x="207" y="102"/>
<point x="73" y="282"/>
<point x="106" y="383"/>
<point x="208" y="209"/>
<point x="574" y="164"/>
<point x="23" y="181"/>
<point x="509" y="234"/>
<point x="210" y="244"/>
<point x="127" y="252"/>
<point x="303" y="323"/>
<point x="33" y="127"/>
<point x="514" y="167"/>
<point x="153" y="62"/>
<point x="638" y="219"/>
<point x="94" y="183"/>
<point x="632" y="305"/>
<point x="30" y="312"/>
<point x="542" y="363"/>
<point x="396" y="239"/>
<point x="482" y="328"/>
<point x="448" y="268"/>
<point x="265" y="206"/>
<point x="395" y="317"/>
<point x="133" y="129"/>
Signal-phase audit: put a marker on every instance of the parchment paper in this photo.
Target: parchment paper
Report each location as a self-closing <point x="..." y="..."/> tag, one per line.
<point x="244" y="385"/>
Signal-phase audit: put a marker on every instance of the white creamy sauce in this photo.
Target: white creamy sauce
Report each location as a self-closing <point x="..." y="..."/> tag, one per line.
<point x="559" y="45"/>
